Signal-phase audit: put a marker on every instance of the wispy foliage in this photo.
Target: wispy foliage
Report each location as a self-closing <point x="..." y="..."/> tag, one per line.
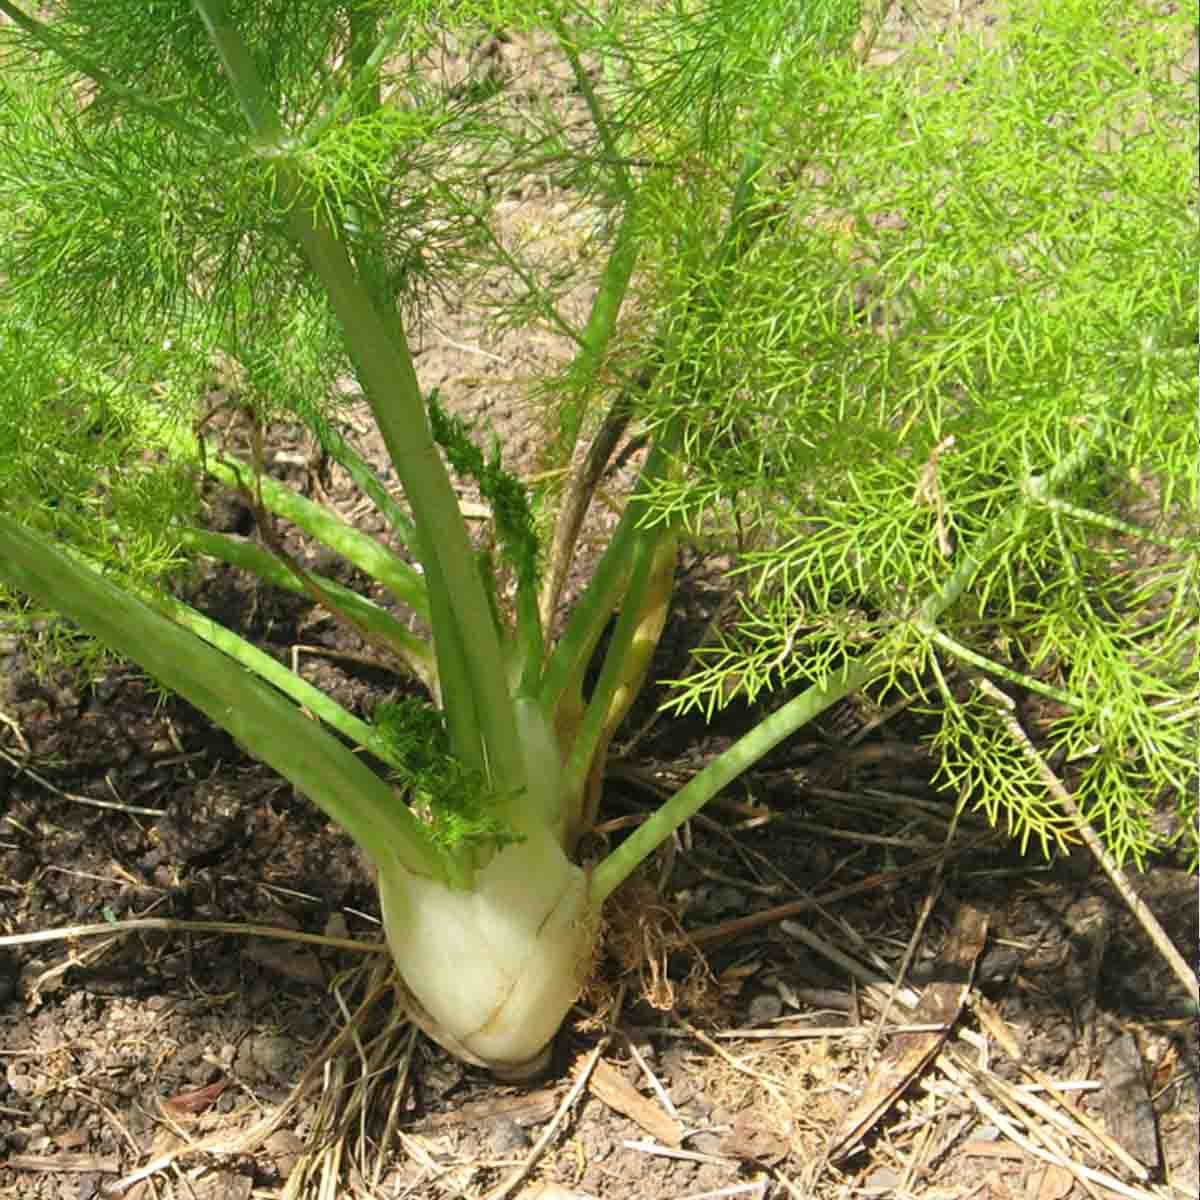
<point x="968" y="264"/>
<point x="876" y="309"/>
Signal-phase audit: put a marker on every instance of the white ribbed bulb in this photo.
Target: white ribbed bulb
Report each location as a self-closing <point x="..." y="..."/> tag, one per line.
<point x="494" y="970"/>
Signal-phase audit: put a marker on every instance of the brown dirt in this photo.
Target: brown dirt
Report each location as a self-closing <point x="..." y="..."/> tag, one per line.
<point x="101" y="1036"/>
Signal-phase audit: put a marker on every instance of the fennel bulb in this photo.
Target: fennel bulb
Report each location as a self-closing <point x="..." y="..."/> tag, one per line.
<point x="492" y="971"/>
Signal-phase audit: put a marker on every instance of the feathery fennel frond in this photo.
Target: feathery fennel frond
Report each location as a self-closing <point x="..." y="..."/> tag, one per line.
<point x="954" y="282"/>
<point x="452" y="799"/>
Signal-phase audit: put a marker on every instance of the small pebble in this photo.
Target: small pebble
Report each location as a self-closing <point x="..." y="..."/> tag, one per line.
<point x="505" y="1136"/>
<point x="764" y="1008"/>
<point x="275" y="1055"/>
<point x="884" y="1179"/>
<point x="285" y="1149"/>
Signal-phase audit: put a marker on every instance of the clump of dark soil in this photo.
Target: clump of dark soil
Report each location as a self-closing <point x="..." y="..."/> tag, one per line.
<point x="119" y="804"/>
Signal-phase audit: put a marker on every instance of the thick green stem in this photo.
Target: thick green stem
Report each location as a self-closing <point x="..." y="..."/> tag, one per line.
<point x="385" y="366"/>
<point x="482" y="717"/>
<point x="454" y="674"/>
<point x="588" y="735"/>
<point x="628" y="653"/>
<point x="319" y="522"/>
<point x="530" y="639"/>
<point x="566" y="665"/>
<point x="374" y="623"/>
<point x="267" y="724"/>
<point x="597" y="334"/>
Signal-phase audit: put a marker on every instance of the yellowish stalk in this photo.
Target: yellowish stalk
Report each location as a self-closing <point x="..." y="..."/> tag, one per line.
<point x="655" y="607"/>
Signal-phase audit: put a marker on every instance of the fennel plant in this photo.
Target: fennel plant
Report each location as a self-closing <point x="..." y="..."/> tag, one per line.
<point x="930" y="342"/>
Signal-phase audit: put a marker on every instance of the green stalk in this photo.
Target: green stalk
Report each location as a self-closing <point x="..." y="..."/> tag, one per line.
<point x="596" y="335"/>
<point x="1128" y="529"/>
<point x="595" y="339"/>
<point x="722" y="771"/>
<point x="575" y="500"/>
<point x="583" y="81"/>
<point x="376" y="624"/>
<point x="319" y="703"/>
<point x="587" y="737"/>
<point x="268" y="725"/>
<point x="768" y="733"/>
<point x="362" y="212"/>
<point x="364" y="551"/>
<point x="612" y="673"/>
<point x="626" y="664"/>
<point x="481" y="716"/>
<point x="531" y="643"/>
<point x="569" y="659"/>
<point x="454" y="674"/>
<point x="368" y="483"/>
<point x="614" y="281"/>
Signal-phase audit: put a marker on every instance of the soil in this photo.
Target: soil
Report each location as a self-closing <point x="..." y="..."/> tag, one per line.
<point x="732" y="1045"/>
<point x="118" y="804"/>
